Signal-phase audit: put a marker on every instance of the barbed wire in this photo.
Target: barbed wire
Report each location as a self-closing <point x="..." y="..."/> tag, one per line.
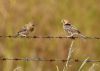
<point x="48" y="37"/>
<point x="49" y="60"/>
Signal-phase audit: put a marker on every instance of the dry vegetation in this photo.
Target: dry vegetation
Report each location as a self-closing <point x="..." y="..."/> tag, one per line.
<point x="47" y="15"/>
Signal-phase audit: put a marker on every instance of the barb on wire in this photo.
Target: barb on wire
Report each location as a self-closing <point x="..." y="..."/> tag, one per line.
<point x="49" y="60"/>
<point x="11" y="36"/>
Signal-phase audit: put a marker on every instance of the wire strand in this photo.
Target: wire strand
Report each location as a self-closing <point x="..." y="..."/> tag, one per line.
<point x="39" y="59"/>
<point x="48" y="37"/>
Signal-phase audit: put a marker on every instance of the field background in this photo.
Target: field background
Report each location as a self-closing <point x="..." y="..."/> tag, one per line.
<point x="47" y="15"/>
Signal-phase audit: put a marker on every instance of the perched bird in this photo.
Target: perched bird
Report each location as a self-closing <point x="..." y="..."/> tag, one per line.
<point x="72" y="31"/>
<point x="28" y="28"/>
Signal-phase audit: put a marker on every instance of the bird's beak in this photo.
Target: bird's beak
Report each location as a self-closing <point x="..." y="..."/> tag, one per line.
<point x="35" y="24"/>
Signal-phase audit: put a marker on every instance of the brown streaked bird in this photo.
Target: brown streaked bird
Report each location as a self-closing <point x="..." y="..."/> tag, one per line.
<point x="28" y="28"/>
<point x="72" y="30"/>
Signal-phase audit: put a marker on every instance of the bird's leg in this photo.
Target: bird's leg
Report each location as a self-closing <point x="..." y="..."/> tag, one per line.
<point x="70" y="35"/>
<point x="73" y="35"/>
<point x="22" y="35"/>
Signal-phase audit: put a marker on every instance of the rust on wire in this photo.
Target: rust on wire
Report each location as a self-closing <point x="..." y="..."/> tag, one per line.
<point x="48" y="37"/>
<point x="49" y="60"/>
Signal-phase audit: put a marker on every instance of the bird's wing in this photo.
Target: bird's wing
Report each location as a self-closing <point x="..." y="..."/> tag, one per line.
<point x="23" y="30"/>
<point x="74" y="28"/>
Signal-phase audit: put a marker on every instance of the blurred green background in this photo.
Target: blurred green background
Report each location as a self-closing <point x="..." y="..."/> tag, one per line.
<point x="47" y="15"/>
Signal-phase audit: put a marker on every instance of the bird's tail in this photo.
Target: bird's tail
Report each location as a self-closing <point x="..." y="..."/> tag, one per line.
<point x="82" y="36"/>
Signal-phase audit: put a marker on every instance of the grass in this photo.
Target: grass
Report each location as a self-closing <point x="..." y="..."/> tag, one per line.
<point x="47" y="15"/>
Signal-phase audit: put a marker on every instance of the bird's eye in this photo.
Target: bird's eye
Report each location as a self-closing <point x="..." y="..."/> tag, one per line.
<point x="31" y="29"/>
<point x="32" y="24"/>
